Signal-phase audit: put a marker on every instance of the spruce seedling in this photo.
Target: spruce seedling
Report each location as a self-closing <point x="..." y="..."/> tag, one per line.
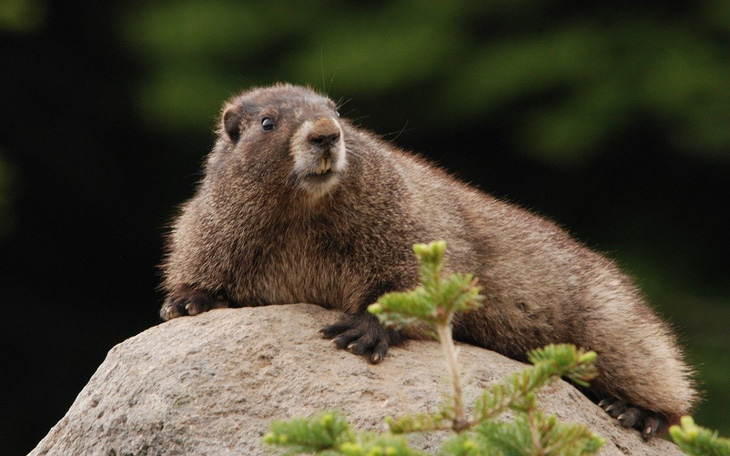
<point x="434" y="302"/>
<point x="698" y="441"/>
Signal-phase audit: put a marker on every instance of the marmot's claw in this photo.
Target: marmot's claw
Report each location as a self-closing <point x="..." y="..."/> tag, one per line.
<point x="361" y="334"/>
<point x="330" y="331"/>
<point x="647" y="422"/>
<point x="172" y="308"/>
<point x="349" y="339"/>
<point x="379" y="352"/>
<point x="630" y="417"/>
<point x="653" y="424"/>
<point x="190" y="302"/>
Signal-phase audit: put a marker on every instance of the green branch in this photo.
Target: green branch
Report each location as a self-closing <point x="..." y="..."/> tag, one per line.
<point x="696" y="440"/>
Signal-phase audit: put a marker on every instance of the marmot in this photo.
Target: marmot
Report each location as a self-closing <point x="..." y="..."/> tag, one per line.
<point x="299" y="205"/>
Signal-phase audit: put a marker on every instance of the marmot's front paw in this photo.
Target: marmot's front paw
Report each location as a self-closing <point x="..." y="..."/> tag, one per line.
<point x="647" y="422"/>
<point x="190" y="302"/>
<point x="362" y="334"/>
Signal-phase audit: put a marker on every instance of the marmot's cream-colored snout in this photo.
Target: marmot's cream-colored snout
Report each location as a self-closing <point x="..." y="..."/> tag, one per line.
<point x="318" y="150"/>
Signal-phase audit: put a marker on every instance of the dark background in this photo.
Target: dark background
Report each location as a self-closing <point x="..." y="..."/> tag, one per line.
<point x="612" y="119"/>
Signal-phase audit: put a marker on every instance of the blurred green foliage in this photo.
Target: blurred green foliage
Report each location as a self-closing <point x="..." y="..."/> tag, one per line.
<point x="584" y="74"/>
<point x="564" y="83"/>
<point x="22" y="15"/>
<point x="19" y="16"/>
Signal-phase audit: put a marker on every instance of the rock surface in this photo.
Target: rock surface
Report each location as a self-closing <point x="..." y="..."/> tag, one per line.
<point x="210" y="385"/>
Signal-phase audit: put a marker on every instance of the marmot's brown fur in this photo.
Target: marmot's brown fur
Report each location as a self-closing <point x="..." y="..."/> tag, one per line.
<point x="298" y="205"/>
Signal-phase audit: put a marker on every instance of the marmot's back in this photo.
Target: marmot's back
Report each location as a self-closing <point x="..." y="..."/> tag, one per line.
<point x="542" y="286"/>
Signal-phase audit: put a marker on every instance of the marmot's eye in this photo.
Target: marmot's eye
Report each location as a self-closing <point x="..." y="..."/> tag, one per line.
<point x="267" y="124"/>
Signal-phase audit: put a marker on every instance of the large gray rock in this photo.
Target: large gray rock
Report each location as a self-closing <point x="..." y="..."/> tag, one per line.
<point x="210" y="385"/>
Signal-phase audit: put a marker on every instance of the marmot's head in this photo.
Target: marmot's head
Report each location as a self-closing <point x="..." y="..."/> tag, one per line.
<point x="285" y="136"/>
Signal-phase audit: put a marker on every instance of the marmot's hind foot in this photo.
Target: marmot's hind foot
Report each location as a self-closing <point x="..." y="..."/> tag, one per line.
<point x="362" y="334"/>
<point x="190" y="302"/>
<point x="647" y="422"/>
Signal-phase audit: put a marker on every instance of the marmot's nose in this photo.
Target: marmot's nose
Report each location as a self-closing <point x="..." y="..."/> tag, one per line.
<point x="324" y="132"/>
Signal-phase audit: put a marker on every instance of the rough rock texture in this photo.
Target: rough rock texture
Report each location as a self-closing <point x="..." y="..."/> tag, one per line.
<point x="210" y="384"/>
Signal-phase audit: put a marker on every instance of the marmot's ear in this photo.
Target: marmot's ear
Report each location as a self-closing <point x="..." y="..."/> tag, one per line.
<point x="232" y="119"/>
